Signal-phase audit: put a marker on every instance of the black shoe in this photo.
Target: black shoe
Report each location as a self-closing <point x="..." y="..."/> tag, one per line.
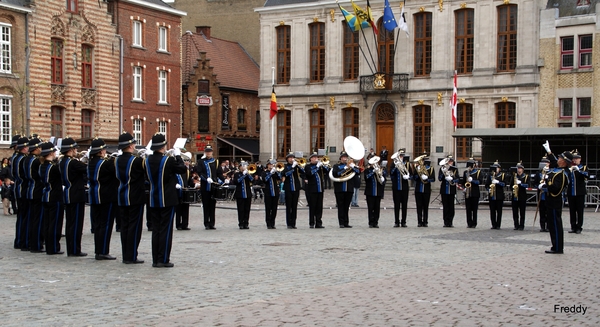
<point x="246" y="227"/>
<point x="403" y="226"/>
<point x="425" y="225"/>
<point x="291" y="227"/>
<point x="80" y="254"/>
<point x="517" y="228"/>
<point x="375" y="226"/>
<point x="347" y="226"/>
<point x="118" y="230"/>
<point x="420" y="225"/>
<point x="132" y="262"/>
<point x="396" y="225"/>
<point x="104" y="257"/>
<point x="572" y="231"/>
<point x="185" y="228"/>
<point x="179" y="228"/>
<point x="36" y="251"/>
<point x="59" y="252"/>
<point x="319" y="227"/>
<point x="270" y="227"/>
<point x="578" y="232"/>
<point x="342" y="226"/>
<point x="312" y="226"/>
<point x="163" y="265"/>
<point x="521" y="228"/>
<point x="553" y="252"/>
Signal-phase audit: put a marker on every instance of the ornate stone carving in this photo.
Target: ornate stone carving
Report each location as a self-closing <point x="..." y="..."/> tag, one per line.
<point x="58" y="93"/>
<point x="87" y="35"/>
<point x="58" y="27"/>
<point x="89" y="97"/>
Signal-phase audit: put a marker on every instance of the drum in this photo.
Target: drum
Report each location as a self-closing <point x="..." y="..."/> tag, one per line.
<point x="189" y="195"/>
<point x="220" y="193"/>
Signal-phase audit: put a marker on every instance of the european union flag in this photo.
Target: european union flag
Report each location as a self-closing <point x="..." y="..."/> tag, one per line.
<point x="389" y="21"/>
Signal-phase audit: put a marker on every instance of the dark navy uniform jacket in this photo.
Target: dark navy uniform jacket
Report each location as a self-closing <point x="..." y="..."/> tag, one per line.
<point x="74" y="176"/>
<point x="315" y="177"/>
<point x="31" y="166"/>
<point x="104" y="184"/>
<point x="132" y="179"/>
<point x="161" y="171"/>
<point x="347" y="186"/>
<point x="50" y="175"/>
<point x="269" y="182"/>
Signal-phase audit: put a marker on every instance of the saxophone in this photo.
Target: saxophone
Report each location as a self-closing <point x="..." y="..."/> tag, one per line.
<point x="493" y="186"/>
<point x="468" y="184"/>
<point x="515" y="187"/>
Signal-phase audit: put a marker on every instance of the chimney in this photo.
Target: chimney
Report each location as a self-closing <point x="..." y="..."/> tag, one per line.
<point x="204" y="30"/>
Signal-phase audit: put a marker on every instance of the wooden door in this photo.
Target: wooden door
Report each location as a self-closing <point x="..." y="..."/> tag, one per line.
<point x="385" y="128"/>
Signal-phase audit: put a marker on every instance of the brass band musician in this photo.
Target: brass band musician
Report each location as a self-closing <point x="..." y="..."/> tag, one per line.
<point x="519" y="184"/>
<point x="315" y="175"/>
<point x="448" y="176"/>
<point x="291" y="185"/>
<point x="400" y="187"/>
<point x="495" y="182"/>
<point x="472" y="178"/>
<point x="424" y="175"/>
<point x="540" y="178"/>
<point x="578" y="175"/>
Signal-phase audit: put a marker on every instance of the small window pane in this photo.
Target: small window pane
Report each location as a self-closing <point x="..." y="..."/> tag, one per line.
<point x="566" y="107"/>
<point x="585" y="106"/>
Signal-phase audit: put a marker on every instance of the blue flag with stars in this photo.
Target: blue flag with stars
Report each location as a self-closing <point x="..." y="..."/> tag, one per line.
<point x="389" y="21"/>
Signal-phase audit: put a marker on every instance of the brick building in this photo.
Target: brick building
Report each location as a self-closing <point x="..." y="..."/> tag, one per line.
<point x="220" y="92"/>
<point x="74" y="70"/>
<point x="151" y="77"/>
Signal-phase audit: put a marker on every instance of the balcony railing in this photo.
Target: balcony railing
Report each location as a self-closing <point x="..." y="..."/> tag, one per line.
<point x="384" y="83"/>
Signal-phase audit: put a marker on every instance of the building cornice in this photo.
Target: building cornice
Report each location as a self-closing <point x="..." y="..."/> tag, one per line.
<point x="15" y="8"/>
<point x="157" y="7"/>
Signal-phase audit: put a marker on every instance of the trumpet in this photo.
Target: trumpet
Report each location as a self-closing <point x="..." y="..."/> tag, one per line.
<point x="279" y="166"/>
<point x="325" y="161"/>
<point x="301" y="162"/>
<point x="251" y="169"/>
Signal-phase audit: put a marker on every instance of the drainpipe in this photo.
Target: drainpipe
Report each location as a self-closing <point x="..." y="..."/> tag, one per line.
<point x="27" y="103"/>
<point x="120" y="83"/>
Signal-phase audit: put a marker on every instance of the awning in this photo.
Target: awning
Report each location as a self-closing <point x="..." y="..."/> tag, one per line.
<point x="248" y="146"/>
<point x="527" y="133"/>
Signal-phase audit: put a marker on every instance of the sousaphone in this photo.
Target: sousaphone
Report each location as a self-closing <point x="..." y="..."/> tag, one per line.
<point x="356" y="151"/>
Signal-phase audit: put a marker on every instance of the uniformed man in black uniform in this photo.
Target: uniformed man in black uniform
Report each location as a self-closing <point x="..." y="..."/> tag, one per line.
<point x="423" y="176"/>
<point x="243" y="194"/>
<point x="400" y="189"/>
<point x="182" y="210"/>
<point x="343" y="189"/>
<point x="496" y="200"/>
<point x="161" y="171"/>
<point x="207" y="169"/>
<point x="103" y="191"/>
<point x="540" y="178"/>
<point x="292" y="175"/>
<point x="374" y="180"/>
<point x="315" y="176"/>
<point x="270" y="181"/>
<point x="383" y="155"/>
<point x="31" y="165"/>
<point x="473" y="176"/>
<point x="578" y="175"/>
<point x="519" y="200"/>
<point x="131" y="198"/>
<point x="554" y="186"/>
<point x="52" y="199"/>
<point x="74" y="176"/>
<point x="19" y="190"/>
<point x="448" y="176"/>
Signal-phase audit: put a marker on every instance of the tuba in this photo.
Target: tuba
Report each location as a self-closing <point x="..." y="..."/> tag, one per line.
<point x="399" y="163"/>
<point x="356" y="151"/>
<point x="446" y="169"/>
<point x="374" y="162"/>
<point x="422" y="170"/>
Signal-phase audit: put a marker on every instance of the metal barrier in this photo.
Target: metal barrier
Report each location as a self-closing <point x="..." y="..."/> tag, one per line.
<point x="592" y="198"/>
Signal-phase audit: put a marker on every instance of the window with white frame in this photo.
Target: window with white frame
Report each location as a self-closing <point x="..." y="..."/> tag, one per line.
<point x="5" y="55"/>
<point x="162" y="86"/>
<point x="5" y="114"/>
<point x="137" y="33"/>
<point x="137" y="83"/>
<point x="162" y="38"/>
<point x="137" y="130"/>
<point x="162" y="127"/>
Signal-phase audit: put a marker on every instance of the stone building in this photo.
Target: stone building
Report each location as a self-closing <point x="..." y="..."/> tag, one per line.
<point x="220" y="93"/>
<point x="325" y="74"/>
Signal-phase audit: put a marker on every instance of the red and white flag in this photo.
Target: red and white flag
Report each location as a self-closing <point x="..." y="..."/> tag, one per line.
<point x="454" y="101"/>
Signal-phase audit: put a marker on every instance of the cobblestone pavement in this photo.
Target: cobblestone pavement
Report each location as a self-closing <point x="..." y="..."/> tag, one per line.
<point x="315" y="277"/>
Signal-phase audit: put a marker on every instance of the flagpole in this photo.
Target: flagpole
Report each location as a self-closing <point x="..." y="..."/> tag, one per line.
<point x="272" y="121"/>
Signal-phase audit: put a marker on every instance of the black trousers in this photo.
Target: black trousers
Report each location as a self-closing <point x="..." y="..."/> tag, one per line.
<point x="422" y="201"/>
<point x="400" y="199"/>
<point x="162" y="233"/>
<point x="373" y="208"/>
<point x="131" y="230"/>
<point x="448" y="209"/>
<point x="74" y="216"/>
<point x="518" y="211"/>
<point x="209" y="206"/>
<point x="471" y="205"/>
<point x="22" y="237"/>
<point x="343" y="200"/>
<point x="291" y="207"/>
<point x="53" y="218"/>
<point x="315" y="209"/>
<point x="271" y="209"/>
<point x="576" y="206"/>
<point x="103" y="217"/>
<point x="543" y="210"/>
<point x="36" y="232"/>
<point x="496" y="213"/>
<point x="243" y="209"/>
<point x="182" y="215"/>
<point x="555" y="225"/>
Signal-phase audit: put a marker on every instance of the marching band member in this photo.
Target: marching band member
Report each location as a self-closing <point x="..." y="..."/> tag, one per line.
<point x="291" y="185"/>
<point x="472" y="179"/>
<point x="74" y="175"/>
<point x="448" y="175"/>
<point x="161" y="171"/>
<point x="52" y="201"/>
<point x="243" y="194"/>
<point x="104" y="187"/>
<point x="131" y="198"/>
<point x="519" y="201"/>
<point x="16" y="169"/>
<point x="400" y="190"/>
<point x="34" y="187"/>
<point x="182" y="210"/>
<point x="423" y="176"/>
<point x="374" y="180"/>
<point x="495" y="182"/>
<point x="315" y="175"/>
<point x="540" y="178"/>
<point x="207" y="169"/>
<point x="554" y="186"/>
<point x="270" y="179"/>
<point x="343" y="190"/>
<point x="578" y="175"/>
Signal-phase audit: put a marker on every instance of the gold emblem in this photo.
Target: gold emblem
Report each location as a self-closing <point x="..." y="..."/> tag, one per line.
<point x="379" y="82"/>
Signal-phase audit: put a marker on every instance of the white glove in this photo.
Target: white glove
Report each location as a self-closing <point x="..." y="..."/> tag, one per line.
<point x="495" y="181"/>
<point x="545" y="176"/>
<point x="209" y="180"/>
<point x="176" y="152"/>
<point x="382" y="179"/>
<point x="294" y="164"/>
<point x="575" y="168"/>
<point x="226" y="181"/>
<point x="547" y="146"/>
<point x="407" y="176"/>
<point x="352" y="165"/>
<point x="469" y="179"/>
<point x="319" y="164"/>
<point x="541" y="186"/>
<point x="424" y="177"/>
<point x="245" y="172"/>
<point x="197" y="185"/>
<point x="545" y="168"/>
<point x="448" y="178"/>
<point x="203" y="156"/>
<point x="518" y="182"/>
<point x="273" y="171"/>
<point x="177" y="186"/>
<point x="120" y="152"/>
